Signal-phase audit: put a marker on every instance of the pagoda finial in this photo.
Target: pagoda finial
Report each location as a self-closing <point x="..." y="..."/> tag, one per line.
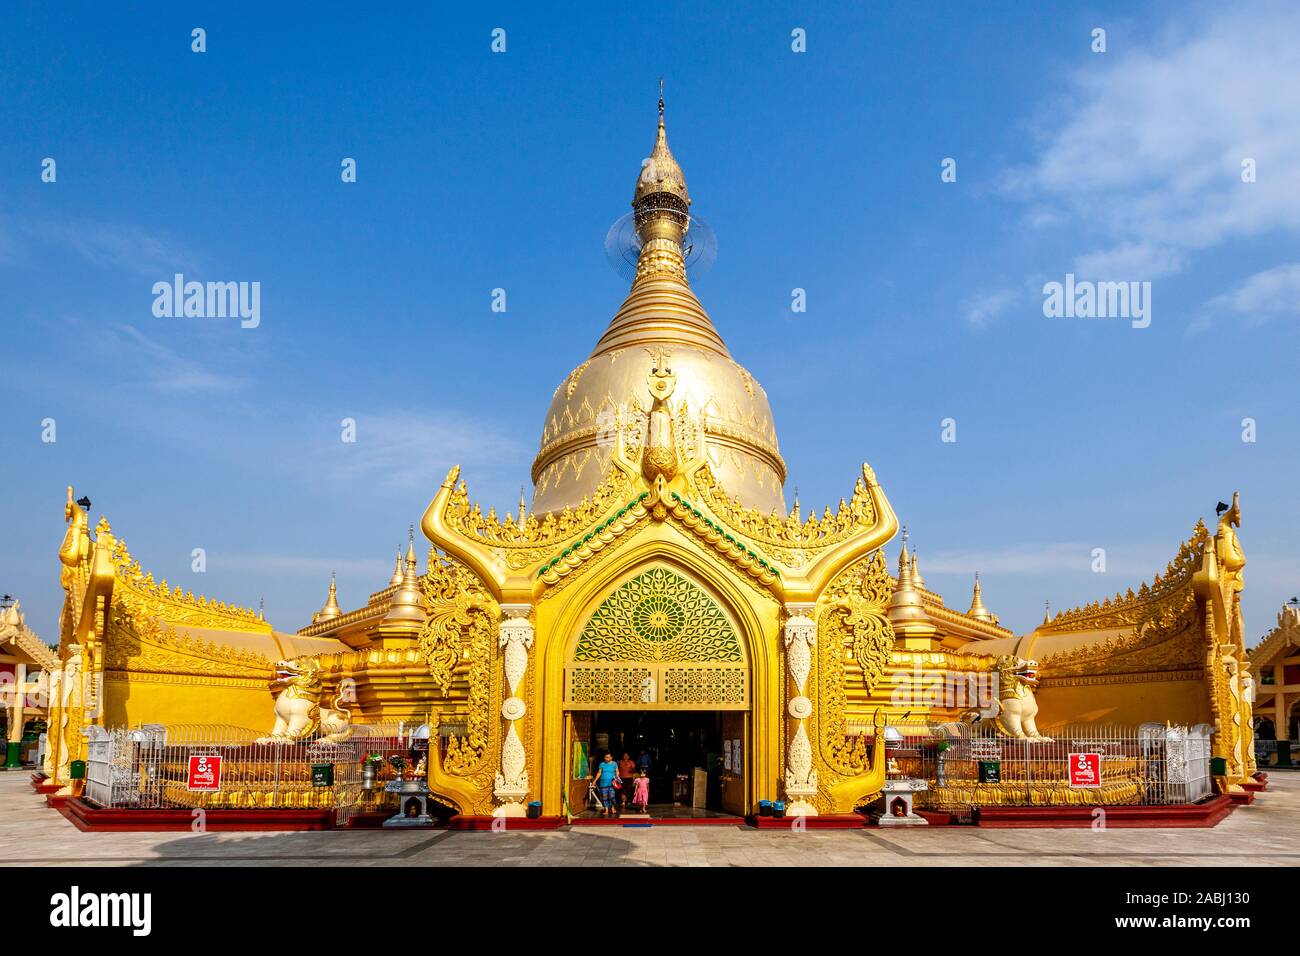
<point x="1047" y="612"/>
<point x="977" y="608"/>
<point x="410" y="548"/>
<point x="331" y="609"/>
<point x="661" y="206"/>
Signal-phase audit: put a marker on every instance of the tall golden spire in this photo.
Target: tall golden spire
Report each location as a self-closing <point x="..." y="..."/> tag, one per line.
<point x="662" y="209"/>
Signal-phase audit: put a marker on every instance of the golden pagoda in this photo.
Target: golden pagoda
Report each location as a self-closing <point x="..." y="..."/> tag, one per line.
<point x="659" y="581"/>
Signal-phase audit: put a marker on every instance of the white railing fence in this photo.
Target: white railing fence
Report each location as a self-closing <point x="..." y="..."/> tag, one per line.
<point x="154" y="767"/>
<point x="1152" y="764"/>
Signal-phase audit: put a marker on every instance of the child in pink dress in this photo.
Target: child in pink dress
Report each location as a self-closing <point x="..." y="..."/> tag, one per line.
<point x="641" y="792"/>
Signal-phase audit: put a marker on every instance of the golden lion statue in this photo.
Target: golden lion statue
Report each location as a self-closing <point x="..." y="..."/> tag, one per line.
<point x="1017" y="708"/>
<point x="298" y="713"/>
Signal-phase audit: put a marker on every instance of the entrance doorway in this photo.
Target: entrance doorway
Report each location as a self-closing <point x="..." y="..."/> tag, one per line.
<point x="696" y="758"/>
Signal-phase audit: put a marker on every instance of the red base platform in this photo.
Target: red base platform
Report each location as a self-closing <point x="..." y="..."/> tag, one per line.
<point x="87" y="817"/>
<point x="1206" y="814"/>
<point x="40" y="786"/>
<point x="1258" y="784"/>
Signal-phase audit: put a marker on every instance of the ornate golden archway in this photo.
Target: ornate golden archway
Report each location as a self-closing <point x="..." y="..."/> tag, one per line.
<point x="658" y="641"/>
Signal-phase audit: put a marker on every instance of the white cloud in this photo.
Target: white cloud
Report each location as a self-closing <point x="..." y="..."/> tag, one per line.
<point x="1130" y="567"/>
<point x="1130" y="261"/>
<point x="307" y="566"/>
<point x="980" y="309"/>
<point x="163" y="368"/>
<point x="1262" y="296"/>
<point x="1146" y="147"/>
<point x="111" y="245"/>
<point x="402" y="448"/>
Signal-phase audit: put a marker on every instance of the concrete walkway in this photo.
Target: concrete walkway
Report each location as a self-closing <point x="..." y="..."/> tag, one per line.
<point x="1266" y="834"/>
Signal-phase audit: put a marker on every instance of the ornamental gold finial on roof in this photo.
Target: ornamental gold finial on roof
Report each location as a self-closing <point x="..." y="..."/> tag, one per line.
<point x="661" y="208"/>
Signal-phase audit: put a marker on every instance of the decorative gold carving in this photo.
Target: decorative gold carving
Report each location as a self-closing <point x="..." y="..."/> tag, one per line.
<point x="966" y="793"/>
<point x="705" y="686"/>
<point x="847" y="627"/>
<point x="786" y="536"/>
<point x="859" y="598"/>
<point x="459" y="609"/>
<point x="659" y="456"/>
<point x="537" y="537"/>
<point x="174" y="605"/>
<point x="717" y="537"/>
<point x="657" y="686"/>
<point x="609" y="685"/>
<point x="139" y="642"/>
<point x="1166" y="636"/>
<point x="600" y="537"/>
<point x="658" y="616"/>
<point x="1133" y="608"/>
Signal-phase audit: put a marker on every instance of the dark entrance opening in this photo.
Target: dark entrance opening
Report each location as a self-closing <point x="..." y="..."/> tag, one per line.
<point x="695" y="758"/>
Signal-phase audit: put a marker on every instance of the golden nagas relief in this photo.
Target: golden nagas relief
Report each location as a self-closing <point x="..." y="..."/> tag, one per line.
<point x="459" y="608"/>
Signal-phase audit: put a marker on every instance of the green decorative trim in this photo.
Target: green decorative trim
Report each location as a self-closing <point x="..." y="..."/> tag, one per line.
<point x="727" y="536"/>
<point x="639" y="499"/>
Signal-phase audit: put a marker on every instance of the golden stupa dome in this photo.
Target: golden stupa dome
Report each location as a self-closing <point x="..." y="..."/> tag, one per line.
<point x="661" y="322"/>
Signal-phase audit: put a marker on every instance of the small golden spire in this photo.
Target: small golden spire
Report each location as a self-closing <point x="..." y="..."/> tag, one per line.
<point x="917" y="580"/>
<point x="406" y="607"/>
<point x="331" y="609"/>
<point x="397" y="571"/>
<point x="1047" y="612"/>
<point x="523" y="507"/>
<point x="977" y="608"/>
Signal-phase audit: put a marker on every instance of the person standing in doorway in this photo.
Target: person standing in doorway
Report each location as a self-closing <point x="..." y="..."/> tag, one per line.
<point x="606" y="780"/>
<point x="627" y="777"/>
<point x="641" y="793"/>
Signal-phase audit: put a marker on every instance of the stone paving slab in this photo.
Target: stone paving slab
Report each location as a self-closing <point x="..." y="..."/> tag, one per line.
<point x="1264" y="834"/>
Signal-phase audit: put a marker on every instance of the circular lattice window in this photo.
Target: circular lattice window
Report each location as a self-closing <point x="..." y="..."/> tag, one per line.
<point x="658" y="616"/>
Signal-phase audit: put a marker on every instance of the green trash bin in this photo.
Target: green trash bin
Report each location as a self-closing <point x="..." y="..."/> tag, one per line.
<point x="77" y="770"/>
<point x="1218" y="766"/>
<point x="1284" y="753"/>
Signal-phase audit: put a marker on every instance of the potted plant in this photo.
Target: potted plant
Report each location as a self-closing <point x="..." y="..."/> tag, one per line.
<point x="370" y="765"/>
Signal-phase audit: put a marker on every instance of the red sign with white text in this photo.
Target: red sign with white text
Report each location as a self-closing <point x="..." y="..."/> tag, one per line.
<point x="1085" y="770"/>
<point x="205" y="774"/>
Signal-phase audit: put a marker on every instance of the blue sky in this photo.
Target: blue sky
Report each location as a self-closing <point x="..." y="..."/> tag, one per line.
<point x="817" y="170"/>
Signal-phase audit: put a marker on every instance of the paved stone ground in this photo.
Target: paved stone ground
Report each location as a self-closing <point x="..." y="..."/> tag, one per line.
<point x="1266" y="834"/>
